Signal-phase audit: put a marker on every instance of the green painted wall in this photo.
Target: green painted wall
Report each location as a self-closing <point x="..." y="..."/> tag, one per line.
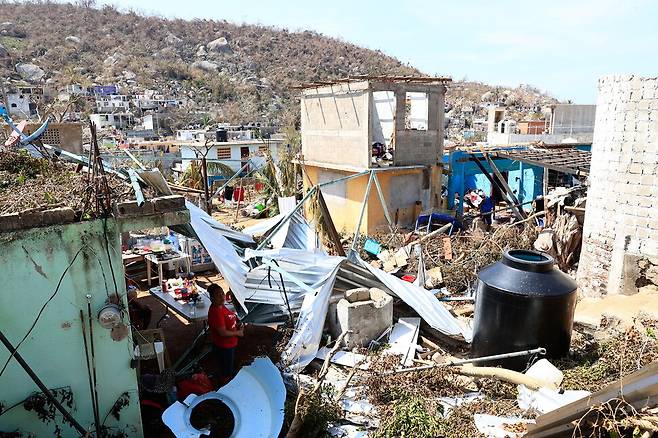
<point x="32" y="263"/>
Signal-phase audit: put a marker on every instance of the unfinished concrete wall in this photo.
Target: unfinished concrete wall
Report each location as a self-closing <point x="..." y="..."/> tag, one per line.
<point x="621" y="225"/>
<point x="572" y="119"/>
<point x="341" y="121"/>
<point x="414" y="146"/>
<point x="335" y="125"/>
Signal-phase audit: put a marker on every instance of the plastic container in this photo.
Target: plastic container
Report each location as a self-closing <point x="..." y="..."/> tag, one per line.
<point x="522" y="302"/>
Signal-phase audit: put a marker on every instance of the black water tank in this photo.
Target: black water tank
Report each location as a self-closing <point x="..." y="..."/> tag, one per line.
<point x="522" y="302"/>
<point x="221" y="136"/>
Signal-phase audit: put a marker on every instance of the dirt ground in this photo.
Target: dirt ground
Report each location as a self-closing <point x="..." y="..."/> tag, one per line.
<point x="179" y="335"/>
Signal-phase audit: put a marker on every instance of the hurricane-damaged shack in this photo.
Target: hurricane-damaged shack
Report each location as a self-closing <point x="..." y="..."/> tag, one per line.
<point x="529" y="171"/>
<point x="57" y="270"/>
<point x="394" y="124"/>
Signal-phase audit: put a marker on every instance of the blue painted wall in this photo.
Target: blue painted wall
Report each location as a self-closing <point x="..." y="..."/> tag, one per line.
<point x="524" y="179"/>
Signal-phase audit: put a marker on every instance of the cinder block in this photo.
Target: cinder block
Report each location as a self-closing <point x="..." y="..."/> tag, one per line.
<point x="10" y="222"/>
<point x="31" y="219"/>
<point x="130" y="208"/>
<point x="56" y="216"/>
<point x="169" y="203"/>
<point x="357" y="294"/>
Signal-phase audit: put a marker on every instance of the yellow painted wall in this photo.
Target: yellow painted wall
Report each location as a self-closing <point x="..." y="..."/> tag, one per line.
<point x="345" y="209"/>
<point x="405" y="215"/>
<point x="344" y="212"/>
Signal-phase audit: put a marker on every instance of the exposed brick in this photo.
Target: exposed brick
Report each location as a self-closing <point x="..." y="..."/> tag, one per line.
<point x="623" y="195"/>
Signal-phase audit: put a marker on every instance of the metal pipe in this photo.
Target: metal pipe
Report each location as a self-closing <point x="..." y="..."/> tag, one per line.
<point x="541" y="351"/>
<point x="383" y="202"/>
<point x="344" y="178"/>
<point x="93" y="353"/>
<point x="363" y="210"/>
<point x="49" y="395"/>
<point x="457" y="299"/>
<point x="219" y="190"/>
<point x="132" y="157"/>
<point x="91" y="384"/>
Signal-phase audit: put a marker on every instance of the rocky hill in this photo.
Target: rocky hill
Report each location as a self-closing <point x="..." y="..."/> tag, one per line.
<point x="238" y="73"/>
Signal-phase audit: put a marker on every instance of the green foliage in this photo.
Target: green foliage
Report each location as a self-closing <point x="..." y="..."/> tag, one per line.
<point x="410" y="418"/>
<point x="12" y="43"/>
<point x="219" y="169"/>
<point x="318" y="410"/>
<point x="17" y="168"/>
<point x="256" y="74"/>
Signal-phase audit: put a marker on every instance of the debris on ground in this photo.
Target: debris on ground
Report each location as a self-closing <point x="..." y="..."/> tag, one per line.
<point x="30" y="183"/>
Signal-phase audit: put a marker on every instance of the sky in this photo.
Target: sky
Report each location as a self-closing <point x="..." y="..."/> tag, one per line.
<point x="561" y="47"/>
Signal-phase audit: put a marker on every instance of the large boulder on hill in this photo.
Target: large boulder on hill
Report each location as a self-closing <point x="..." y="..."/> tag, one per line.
<point x="219" y="45"/>
<point x="201" y="52"/>
<point x="30" y="72"/>
<point x="10" y="29"/>
<point x="208" y="66"/>
<point x="172" y="39"/>
<point x="73" y="40"/>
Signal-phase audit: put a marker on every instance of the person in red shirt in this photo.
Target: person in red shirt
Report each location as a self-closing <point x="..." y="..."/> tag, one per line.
<point x="224" y="331"/>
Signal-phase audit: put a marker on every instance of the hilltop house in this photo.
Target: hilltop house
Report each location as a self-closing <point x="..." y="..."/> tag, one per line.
<point x="112" y="103"/>
<point x="112" y="120"/>
<point x="22" y="101"/>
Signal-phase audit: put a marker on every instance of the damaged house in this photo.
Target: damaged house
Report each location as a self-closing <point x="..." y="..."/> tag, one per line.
<point x="391" y="125"/>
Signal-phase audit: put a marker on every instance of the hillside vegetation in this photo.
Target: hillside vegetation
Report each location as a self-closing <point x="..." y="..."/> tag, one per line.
<point x="238" y="73"/>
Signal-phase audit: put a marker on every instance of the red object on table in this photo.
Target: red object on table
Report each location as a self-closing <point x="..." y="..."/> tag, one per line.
<point x="259" y="186"/>
<point x="408" y="278"/>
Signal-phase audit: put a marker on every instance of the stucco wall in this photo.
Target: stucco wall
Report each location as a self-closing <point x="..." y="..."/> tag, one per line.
<point x="33" y="262"/>
<point x="401" y="189"/>
<point x="622" y="201"/>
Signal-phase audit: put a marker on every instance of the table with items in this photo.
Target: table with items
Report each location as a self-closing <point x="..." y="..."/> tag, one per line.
<point x="184" y="297"/>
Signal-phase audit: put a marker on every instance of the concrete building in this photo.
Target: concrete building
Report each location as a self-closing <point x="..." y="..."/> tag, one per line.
<point x="234" y="154"/>
<point x="568" y="124"/>
<point x="572" y="119"/>
<point x="150" y="100"/>
<point x="112" y="103"/>
<point x="67" y="136"/>
<point x="104" y="90"/>
<point x="341" y="122"/>
<point x="23" y="101"/>
<point x="534" y="127"/>
<point x="112" y="120"/>
<point x="620" y="235"/>
<point x="50" y="254"/>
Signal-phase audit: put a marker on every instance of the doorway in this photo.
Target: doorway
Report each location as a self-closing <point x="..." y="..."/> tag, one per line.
<point x="244" y="157"/>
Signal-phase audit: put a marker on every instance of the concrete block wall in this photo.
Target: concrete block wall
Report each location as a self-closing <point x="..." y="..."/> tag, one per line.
<point x="621" y="222"/>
